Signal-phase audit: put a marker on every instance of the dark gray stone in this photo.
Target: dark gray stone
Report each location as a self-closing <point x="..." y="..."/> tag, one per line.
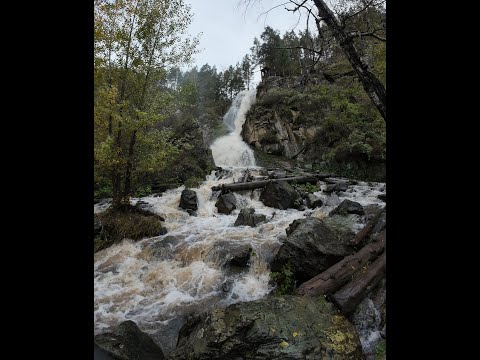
<point x="226" y="203"/>
<point x="313" y="201"/>
<point x="280" y="195"/>
<point x="247" y="217"/>
<point x="229" y="254"/>
<point x="188" y="201"/>
<point x="339" y="186"/>
<point x="128" y="342"/>
<point x="311" y="247"/>
<point x="348" y="207"/>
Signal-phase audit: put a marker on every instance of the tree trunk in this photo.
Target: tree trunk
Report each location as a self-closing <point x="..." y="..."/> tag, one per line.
<point x="373" y="86"/>
<point x="116" y="189"/>
<point x="262" y="183"/>
<point x="348" y="297"/>
<point x="337" y="275"/>
<point x="127" y="187"/>
<point x="367" y="229"/>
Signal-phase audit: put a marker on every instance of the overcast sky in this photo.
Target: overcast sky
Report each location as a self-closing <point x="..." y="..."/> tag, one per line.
<point x="229" y="28"/>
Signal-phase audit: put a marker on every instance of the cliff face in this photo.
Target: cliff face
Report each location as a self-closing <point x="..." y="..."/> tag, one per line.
<point x="328" y="126"/>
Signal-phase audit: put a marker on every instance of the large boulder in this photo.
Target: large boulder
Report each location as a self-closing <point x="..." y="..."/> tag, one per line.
<point x="128" y="342"/>
<point x="311" y="247"/>
<point x="247" y="217"/>
<point x="280" y="195"/>
<point x="286" y="327"/>
<point x="188" y="201"/>
<point x="348" y="207"/>
<point x="226" y="203"/>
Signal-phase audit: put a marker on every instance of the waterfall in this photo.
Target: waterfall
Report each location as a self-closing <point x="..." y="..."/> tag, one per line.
<point x="230" y="150"/>
<point x="157" y="282"/>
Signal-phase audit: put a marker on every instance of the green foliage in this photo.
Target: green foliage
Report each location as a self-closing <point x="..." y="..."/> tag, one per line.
<point x="284" y="279"/>
<point x="102" y="192"/>
<point x="143" y="190"/>
<point x="306" y="188"/>
<point x="381" y="350"/>
<point x="119" y="225"/>
<point x="193" y="182"/>
<point x="134" y="44"/>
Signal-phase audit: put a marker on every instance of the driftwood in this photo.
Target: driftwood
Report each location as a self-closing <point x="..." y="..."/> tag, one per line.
<point x="348" y="297"/>
<point x="337" y="275"/>
<point x="262" y="183"/>
<point x="367" y="229"/>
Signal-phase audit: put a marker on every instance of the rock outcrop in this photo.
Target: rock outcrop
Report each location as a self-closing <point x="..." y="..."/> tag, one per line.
<point x="287" y="327"/>
<point x="311" y="247"/>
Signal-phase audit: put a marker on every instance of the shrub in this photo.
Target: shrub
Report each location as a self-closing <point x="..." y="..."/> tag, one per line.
<point x="284" y="279"/>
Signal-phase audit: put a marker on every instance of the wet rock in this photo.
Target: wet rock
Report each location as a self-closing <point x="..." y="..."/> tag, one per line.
<point x="369" y="320"/>
<point x="163" y="249"/>
<point x="226" y="203"/>
<point x="247" y="217"/>
<point x="128" y="342"/>
<point x="382" y="197"/>
<point x="313" y="201"/>
<point x="280" y="195"/>
<point x="286" y="327"/>
<point x="311" y="247"/>
<point x="370" y="211"/>
<point x="339" y="186"/>
<point x="381" y="224"/>
<point x="188" y="201"/>
<point x="230" y="254"/>
<point x="348" y="207"/>
<point x="227" y="286"/>
<point x="143" y="205"/>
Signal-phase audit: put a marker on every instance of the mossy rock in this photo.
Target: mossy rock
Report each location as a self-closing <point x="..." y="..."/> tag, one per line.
<point x="128" y="223"/>
<point x="286" y="327"/>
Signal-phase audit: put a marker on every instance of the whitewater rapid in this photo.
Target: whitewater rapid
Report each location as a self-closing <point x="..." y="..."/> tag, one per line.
<point x="157" y="282"/>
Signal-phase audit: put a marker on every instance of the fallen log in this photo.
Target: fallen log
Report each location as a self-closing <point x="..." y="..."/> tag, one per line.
<point x="339" y="274"/>
<point x="262" y="183"/>
<point x="367" y="229"/>
<point x="348" y="297"/>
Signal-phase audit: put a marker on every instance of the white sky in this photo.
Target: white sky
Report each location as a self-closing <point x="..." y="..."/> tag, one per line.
<point x="229" y="29"/>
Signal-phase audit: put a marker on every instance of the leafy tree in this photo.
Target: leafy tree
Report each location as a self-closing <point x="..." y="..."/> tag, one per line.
<point x="247" y="70"/>
<point x="136" y="43"/>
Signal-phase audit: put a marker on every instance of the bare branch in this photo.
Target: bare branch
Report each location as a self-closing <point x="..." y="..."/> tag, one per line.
<point x="299" y="47"/>
<point x="370" y="34"/>
<point x="366" y="6"/>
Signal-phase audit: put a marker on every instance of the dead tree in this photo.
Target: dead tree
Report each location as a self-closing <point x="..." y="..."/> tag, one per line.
<point x="348" y="297"/>
<point x="339" y="274"/>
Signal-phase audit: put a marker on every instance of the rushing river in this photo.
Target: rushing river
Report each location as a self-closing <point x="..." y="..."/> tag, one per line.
<point x="158" y="281"/>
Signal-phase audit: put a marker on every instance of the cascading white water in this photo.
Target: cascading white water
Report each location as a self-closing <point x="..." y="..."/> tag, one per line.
<point x="230" y="150"/>
<point x="157" y="282"/>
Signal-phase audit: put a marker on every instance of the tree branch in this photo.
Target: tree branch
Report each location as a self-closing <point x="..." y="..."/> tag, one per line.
<point x="371" y="34"/>
<point x="299" y="47"/>
<point x="366" y="6"/>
